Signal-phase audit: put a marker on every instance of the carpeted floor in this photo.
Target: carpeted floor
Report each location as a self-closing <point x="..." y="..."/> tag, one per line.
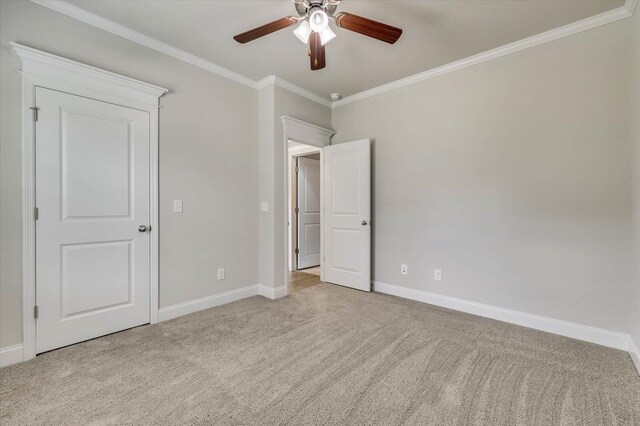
<point x="325" y="355"/>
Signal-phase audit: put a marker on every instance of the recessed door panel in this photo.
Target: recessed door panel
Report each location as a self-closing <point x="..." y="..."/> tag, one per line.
<point x="96" y="163"/>
<point x="346" y="247"/>
<point x="109" y="266"/>
<point x="345" y="198"/>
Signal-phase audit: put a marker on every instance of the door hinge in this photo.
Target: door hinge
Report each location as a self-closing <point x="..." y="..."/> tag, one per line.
<point x="35" y="213"/>
<point x="297" y="251"/>
<point x="35" y="112"/>
<point x="297" y="210"/>
<point x="35" y="312"/>
<point x="297" y="169"/>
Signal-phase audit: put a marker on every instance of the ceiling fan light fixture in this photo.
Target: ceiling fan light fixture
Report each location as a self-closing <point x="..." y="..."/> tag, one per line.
<point x="319" y="20"/>
<point x="326" y="36"/>
<point x="303" y="32"/>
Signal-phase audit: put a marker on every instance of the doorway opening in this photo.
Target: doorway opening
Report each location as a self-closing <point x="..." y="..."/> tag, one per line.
<point x="304" y="207"/>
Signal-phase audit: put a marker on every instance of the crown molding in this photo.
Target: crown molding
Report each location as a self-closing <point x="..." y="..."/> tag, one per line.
<point x="281" y="82"/>
<point x="610" y="16"/>
<point x="97" y="21"/>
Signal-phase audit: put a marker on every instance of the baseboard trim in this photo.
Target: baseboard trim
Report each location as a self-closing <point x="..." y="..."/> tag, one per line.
<point x="634" y="351"/>
<point x="272" y="293"/>
<point x="180" y="309"/>
<point x="11" y="355"/>
<point x="590" y="334"/>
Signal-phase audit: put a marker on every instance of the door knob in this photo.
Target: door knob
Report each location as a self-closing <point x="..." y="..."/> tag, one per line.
<point x="142" y="228"/>
<point x="365" y="223"/>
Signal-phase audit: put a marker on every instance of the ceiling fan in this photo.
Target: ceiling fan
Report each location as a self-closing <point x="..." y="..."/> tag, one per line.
<point x="314" y="29"/>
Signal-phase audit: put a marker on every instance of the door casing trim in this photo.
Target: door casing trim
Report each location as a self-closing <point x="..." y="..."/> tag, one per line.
<point x="315" y="136"/>
<point x="42" y="69"/>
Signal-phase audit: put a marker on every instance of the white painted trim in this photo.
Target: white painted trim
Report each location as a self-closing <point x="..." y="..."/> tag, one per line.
<point x="634" y="352"/>
<point x="43" y="69"/>
<point x="630" y="5"/>
<point x="43" y="64"/>
<point x="614" y="15"/>
<point x="595" y="335"/>
<point x="281" y="82"/>
<point x="180" y="309"/>
<point x="272" y="293"/>
<point x="11" y="355"/>
<point x="142" y="39"/>
<point x="309" y="134"/>
<point x="97" y="21"/>
<point x="295" y="151"/>
<point x="306" y="133"/>
<point x="301" y="150"/>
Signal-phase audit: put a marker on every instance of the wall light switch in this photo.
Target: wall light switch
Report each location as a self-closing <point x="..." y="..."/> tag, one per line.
<point x="264" y="206"/>
<point x="177" y="206"/>
<point x="220" y="274"/>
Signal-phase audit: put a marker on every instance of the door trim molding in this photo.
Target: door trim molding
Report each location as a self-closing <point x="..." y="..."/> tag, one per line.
<point x="294" y="152"/>
<point x="308" y="134"/>
<point x="42" y="69"/>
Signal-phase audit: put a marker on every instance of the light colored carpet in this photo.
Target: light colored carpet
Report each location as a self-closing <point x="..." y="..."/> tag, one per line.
<point x="325" y="355"/>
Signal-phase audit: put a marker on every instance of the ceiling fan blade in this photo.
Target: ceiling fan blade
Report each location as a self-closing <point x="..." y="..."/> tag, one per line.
<point x="265" y="29"/>
<point x="368" y="27"/>
<point x="316" y="52"/>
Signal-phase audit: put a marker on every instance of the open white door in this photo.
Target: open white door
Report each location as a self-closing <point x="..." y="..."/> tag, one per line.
<point x="308" y="212"/>
<point x="92" y="244"/>
<point x="347" y="214"/>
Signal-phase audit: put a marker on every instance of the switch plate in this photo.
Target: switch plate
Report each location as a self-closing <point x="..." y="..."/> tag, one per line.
<point x="177" y="206"/>
<point x="220" y="274"/>
<point x="437" y="274"/>
<point x="404" y="269"/>
<point x="264" y="206"/>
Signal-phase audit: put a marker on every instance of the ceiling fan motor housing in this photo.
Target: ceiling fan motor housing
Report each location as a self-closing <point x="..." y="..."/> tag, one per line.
<point x="304" y="8"/>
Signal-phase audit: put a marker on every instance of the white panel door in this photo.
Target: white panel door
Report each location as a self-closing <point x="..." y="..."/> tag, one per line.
<point x="92" y="193"/>
<point x="308" y="212"/>
<point x="347" y="214"/>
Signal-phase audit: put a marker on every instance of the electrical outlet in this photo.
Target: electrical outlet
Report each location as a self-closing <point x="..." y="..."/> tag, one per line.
<point x="403" y="269"/>
<point x="220" y="274"/>
<point x="437" y="274"/>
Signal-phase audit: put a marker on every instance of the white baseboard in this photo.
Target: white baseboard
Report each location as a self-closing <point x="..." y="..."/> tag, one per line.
<point x="599" y="336"/>
<point x="634" y="351"/>
<point x="196" y="305"/>
<point x="11" y="355"/>
<point x="272" y="293"/>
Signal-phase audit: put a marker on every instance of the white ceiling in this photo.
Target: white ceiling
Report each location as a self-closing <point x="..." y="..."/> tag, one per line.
<point x="435" y="33"/>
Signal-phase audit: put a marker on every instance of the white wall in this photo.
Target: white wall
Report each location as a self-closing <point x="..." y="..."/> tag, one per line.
<point x="513" y="177"/>
<point x="208" y="158"/>
<point x="276" y="102"/>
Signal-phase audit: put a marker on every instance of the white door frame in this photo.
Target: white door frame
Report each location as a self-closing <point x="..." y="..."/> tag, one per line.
<point x="294" y="152"/>
<point x="42" y="69"/>
<point x="309" y="134"/>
